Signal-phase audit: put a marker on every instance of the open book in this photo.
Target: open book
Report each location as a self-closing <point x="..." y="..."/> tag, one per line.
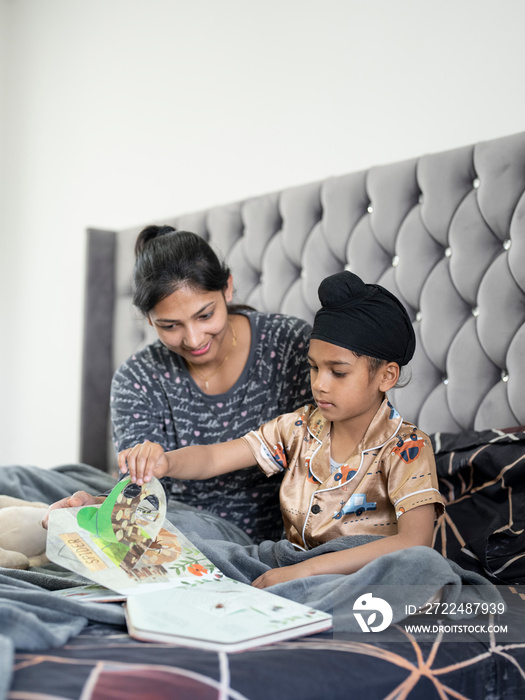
<point x="174" y="593"/>
<point x="228" y="616"/>
<point x="125" y="544"/>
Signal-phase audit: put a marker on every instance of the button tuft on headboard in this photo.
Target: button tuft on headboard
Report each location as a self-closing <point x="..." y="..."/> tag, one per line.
<point x="394" y="224"/>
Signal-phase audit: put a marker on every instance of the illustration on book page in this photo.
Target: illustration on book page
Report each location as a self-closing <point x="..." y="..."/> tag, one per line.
<point x="126" y="544"/>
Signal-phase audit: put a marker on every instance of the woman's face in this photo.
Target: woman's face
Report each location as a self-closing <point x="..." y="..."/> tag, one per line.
<point x="193" y="323"/>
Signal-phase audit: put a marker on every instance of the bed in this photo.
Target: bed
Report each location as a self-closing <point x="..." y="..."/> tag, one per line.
<point x="446" y="233"/>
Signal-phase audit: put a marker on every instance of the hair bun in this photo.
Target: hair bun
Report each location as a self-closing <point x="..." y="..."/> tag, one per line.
<point x="150" y="233"/>
<point x="341" y="289"/>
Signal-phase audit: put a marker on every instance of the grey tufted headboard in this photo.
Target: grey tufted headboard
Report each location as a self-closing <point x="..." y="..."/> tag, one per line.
<point x="445" y="232"/>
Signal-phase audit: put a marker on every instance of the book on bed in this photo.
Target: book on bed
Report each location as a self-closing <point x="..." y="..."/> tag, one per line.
<point x="174" y="592"/>
<point x="228" y="616"/>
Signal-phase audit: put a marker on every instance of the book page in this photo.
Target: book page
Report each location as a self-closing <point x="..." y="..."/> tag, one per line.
<point x="126" y="544"/>
<point x="228" y="615"/>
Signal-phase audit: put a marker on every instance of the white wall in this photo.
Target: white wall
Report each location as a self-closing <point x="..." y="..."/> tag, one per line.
<point x="120" y="112"/>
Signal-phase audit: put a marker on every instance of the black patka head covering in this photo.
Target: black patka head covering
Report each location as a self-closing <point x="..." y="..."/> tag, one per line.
<point x="364" y="318"/>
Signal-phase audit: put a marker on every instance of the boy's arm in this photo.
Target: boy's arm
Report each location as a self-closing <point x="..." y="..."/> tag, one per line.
<point x="148" y="459"/>
<point x="416" y="527"/>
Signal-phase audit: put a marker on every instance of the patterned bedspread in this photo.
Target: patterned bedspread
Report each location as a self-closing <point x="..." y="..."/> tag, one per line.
<point x="481" y="476"/>
<point x="103" y="663"/>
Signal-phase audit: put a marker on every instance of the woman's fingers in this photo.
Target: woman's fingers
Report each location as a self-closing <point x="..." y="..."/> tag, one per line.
<point x="79" y="498"/>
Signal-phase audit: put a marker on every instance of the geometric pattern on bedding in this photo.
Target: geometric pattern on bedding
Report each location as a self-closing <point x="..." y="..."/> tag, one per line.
<point x="114" y="666"/>
<point x="482" y="478"/>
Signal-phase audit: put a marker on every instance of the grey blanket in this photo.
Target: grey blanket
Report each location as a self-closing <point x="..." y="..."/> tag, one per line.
<point x="32" y="618"/>
<point x="409" y="576"/>
<point x="50" y="485"/>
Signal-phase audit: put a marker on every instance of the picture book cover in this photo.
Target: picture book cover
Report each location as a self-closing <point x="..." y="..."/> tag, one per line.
<point x="173" y="592"/>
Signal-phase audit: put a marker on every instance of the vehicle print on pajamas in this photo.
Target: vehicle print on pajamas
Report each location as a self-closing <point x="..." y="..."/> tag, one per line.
<point x="278" y="455"/>
<point x="309" y="474"/>
<point x="410" y="448"/>
<point x="393" y="413"/>
<point x="357" y="504"/>
<point x="345" y="474"/>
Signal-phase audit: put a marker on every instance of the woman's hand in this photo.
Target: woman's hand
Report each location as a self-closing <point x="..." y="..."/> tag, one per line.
<point x="143" y="461"/>
<point x="79" y="498"/>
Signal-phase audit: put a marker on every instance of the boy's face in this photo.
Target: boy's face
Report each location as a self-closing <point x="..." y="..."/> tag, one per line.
<point x="342" y="385"/>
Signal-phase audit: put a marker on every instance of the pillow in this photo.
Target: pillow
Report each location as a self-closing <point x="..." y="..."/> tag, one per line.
<point x="482" y="478"/>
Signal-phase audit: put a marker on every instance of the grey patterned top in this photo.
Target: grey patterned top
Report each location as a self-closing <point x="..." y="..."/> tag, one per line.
<point x="153" y="397"/>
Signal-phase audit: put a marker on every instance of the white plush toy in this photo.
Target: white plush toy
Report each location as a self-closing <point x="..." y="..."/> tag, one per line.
<point x="22" y="537"/>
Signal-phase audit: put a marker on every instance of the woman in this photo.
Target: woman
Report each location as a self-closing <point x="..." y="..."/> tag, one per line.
<point x="215" y="372"/>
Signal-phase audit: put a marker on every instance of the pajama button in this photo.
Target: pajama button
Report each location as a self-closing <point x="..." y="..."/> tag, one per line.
<point x="316" y="509"/>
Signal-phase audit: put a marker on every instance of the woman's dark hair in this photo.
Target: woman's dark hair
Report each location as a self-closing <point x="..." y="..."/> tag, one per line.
<point x="167" y="259"/>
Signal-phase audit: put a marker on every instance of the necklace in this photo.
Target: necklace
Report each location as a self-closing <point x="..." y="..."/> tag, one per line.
<point x="206" y="380"/>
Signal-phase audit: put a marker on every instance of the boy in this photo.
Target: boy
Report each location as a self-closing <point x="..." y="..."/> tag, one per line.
<point x="352" y="465"/>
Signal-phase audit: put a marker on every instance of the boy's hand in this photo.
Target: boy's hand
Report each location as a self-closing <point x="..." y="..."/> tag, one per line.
<point x="282" y="574"/>
<point x="143" y="461"/>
